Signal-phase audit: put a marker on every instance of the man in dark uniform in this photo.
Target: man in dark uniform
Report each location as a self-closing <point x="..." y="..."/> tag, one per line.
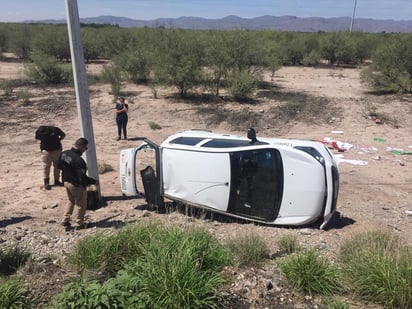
<point x="51" y="147"/>
<point x="75" y="180"/>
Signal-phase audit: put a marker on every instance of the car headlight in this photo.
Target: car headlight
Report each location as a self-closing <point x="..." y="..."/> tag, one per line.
<point x="313" y="152"/>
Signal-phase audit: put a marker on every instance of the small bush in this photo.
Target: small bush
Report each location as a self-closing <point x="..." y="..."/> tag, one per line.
<point x="7" y="86"/>
<point x="83" y="293"/>
<point x="242" y="85"/>
<point x="154" y="126"/>
<point x="11" y="259"/>
<point x="289" y="243"/>
<point x="46" y="70"/>
<point x="24" y="96"/>
<point x="13" y="294"/>
<point x="310" y="273"/>
<point x="104" y="167"/>
<point x="378" y="269"/>
<point x="113" y="75"/>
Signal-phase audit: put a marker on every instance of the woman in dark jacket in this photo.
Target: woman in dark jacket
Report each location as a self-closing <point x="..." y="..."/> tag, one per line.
<point x="121" y="118"/>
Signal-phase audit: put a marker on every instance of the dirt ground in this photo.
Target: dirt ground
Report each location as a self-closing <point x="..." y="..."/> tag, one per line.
<point x="375" y="183"/>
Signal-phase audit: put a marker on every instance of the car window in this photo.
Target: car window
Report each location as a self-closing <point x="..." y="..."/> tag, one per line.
<point x="228" y="143"/>
<point x="256" y="183"/>
<point x="190" y="141"/>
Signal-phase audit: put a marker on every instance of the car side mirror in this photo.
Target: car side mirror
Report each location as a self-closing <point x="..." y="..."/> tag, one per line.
<point x="251" y="134"/>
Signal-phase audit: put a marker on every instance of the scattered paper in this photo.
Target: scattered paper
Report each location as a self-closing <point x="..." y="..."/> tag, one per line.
<point x="353" y="162"/>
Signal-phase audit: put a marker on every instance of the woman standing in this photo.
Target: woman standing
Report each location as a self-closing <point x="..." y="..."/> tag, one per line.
<point x="121" y="118"/>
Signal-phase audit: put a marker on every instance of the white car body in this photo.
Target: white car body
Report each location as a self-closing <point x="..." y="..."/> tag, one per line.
<point x="269" y="180"/>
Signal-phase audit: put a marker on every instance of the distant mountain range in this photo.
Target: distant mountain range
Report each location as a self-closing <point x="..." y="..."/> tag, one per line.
<point x="285" y="23"/>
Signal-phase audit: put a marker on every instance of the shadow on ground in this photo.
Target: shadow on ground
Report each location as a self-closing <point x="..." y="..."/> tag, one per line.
<point x="13" y="220"/>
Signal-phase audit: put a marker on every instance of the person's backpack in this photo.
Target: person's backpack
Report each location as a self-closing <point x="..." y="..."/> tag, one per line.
<point x="42" y="133"/>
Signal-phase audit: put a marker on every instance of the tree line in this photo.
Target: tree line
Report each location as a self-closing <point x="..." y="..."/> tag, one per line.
<point x="214" y="60"/>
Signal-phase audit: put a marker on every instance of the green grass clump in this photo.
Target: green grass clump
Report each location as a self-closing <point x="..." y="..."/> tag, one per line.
<point x="154" y="126"/>
<point x="289" y="243"/>
<point x="248" y="250"/>
<point x="378" y="269"/>
<point x="11" y="259"/>
<point x="89" y="252"/>
<point x="151" y="266"/>
<point x="333" y="303"/>
<point x="310" y="273"/>
<point x="13" y="294"/>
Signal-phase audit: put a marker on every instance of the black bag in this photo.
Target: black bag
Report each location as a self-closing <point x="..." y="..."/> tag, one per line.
<point x="92" y="198"/>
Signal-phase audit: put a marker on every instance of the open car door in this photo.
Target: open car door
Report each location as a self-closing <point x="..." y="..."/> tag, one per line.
<point x="132" y="162"/>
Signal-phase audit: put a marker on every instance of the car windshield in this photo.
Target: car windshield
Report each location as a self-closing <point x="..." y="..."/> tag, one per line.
<point x="256" y="183"/>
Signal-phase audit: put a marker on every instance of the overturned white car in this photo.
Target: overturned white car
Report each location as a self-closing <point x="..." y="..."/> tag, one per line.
<point x="268" y="180"/>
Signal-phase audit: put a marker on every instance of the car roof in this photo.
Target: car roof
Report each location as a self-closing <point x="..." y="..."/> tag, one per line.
<point x="208" y="139"/>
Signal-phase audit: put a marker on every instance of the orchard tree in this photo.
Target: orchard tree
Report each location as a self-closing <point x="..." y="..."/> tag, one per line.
<point x="391" y="67"/>
<point x="52" y="40"/>
<point x="179" y="60"/>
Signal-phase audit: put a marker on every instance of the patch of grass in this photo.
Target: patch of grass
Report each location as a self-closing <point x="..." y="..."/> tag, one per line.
<point x="154" y="126"/>
<point x="248" y="250"/>
<point x="89" y="251"/>
<point x="7" y="86"/>
<point x="154" y="266"/>
<point x="310" y="273"/>
<point x="378" y="268"/>
<point x="13" y="294"/>
<point x="104" y="167"/>
<point x="24" y="96"/>
<point x="289" y="243"/>
<point x="11" y="259"/>
<point x="333" y="303"/>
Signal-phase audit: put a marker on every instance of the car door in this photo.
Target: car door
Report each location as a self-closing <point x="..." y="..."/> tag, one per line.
<point x="200" y="178"/>
<point x="132" y="162"/>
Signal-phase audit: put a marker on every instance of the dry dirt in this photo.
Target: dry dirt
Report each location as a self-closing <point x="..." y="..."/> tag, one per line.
<point x="373" y="196"/>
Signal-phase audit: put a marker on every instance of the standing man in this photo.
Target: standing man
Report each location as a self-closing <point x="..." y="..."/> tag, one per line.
<point x="51" y="147"/>
<point x="75" y="180"/>
<point x="121" y="118"/>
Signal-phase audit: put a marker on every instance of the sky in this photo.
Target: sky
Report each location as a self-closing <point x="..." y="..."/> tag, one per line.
<point x="21" y="10"/>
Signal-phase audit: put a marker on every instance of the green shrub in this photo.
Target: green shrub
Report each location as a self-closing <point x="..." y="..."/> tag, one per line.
<point x="242" y="85"/>
<point x="154" y="126"/>
<point x="11" y="259"/>
<point x="83" y="293"/>
<point x="46" y="70"/>
<point x="13" y="294"/>
<point x="289" y="243"/>
<point x="378" y="269"/>
<point x="310" y="273"/>
<point x="248" y="250"/>
<point x="113" y="75"/>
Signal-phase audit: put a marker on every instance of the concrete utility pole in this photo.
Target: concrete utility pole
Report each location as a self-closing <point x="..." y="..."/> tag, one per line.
<point x="81" y="86"/>
<point x="353" y="17"/>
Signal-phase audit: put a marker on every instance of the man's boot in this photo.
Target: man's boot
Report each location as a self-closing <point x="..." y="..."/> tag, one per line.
<point x="47" y="184"/>
<point x="57" y="183"/>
